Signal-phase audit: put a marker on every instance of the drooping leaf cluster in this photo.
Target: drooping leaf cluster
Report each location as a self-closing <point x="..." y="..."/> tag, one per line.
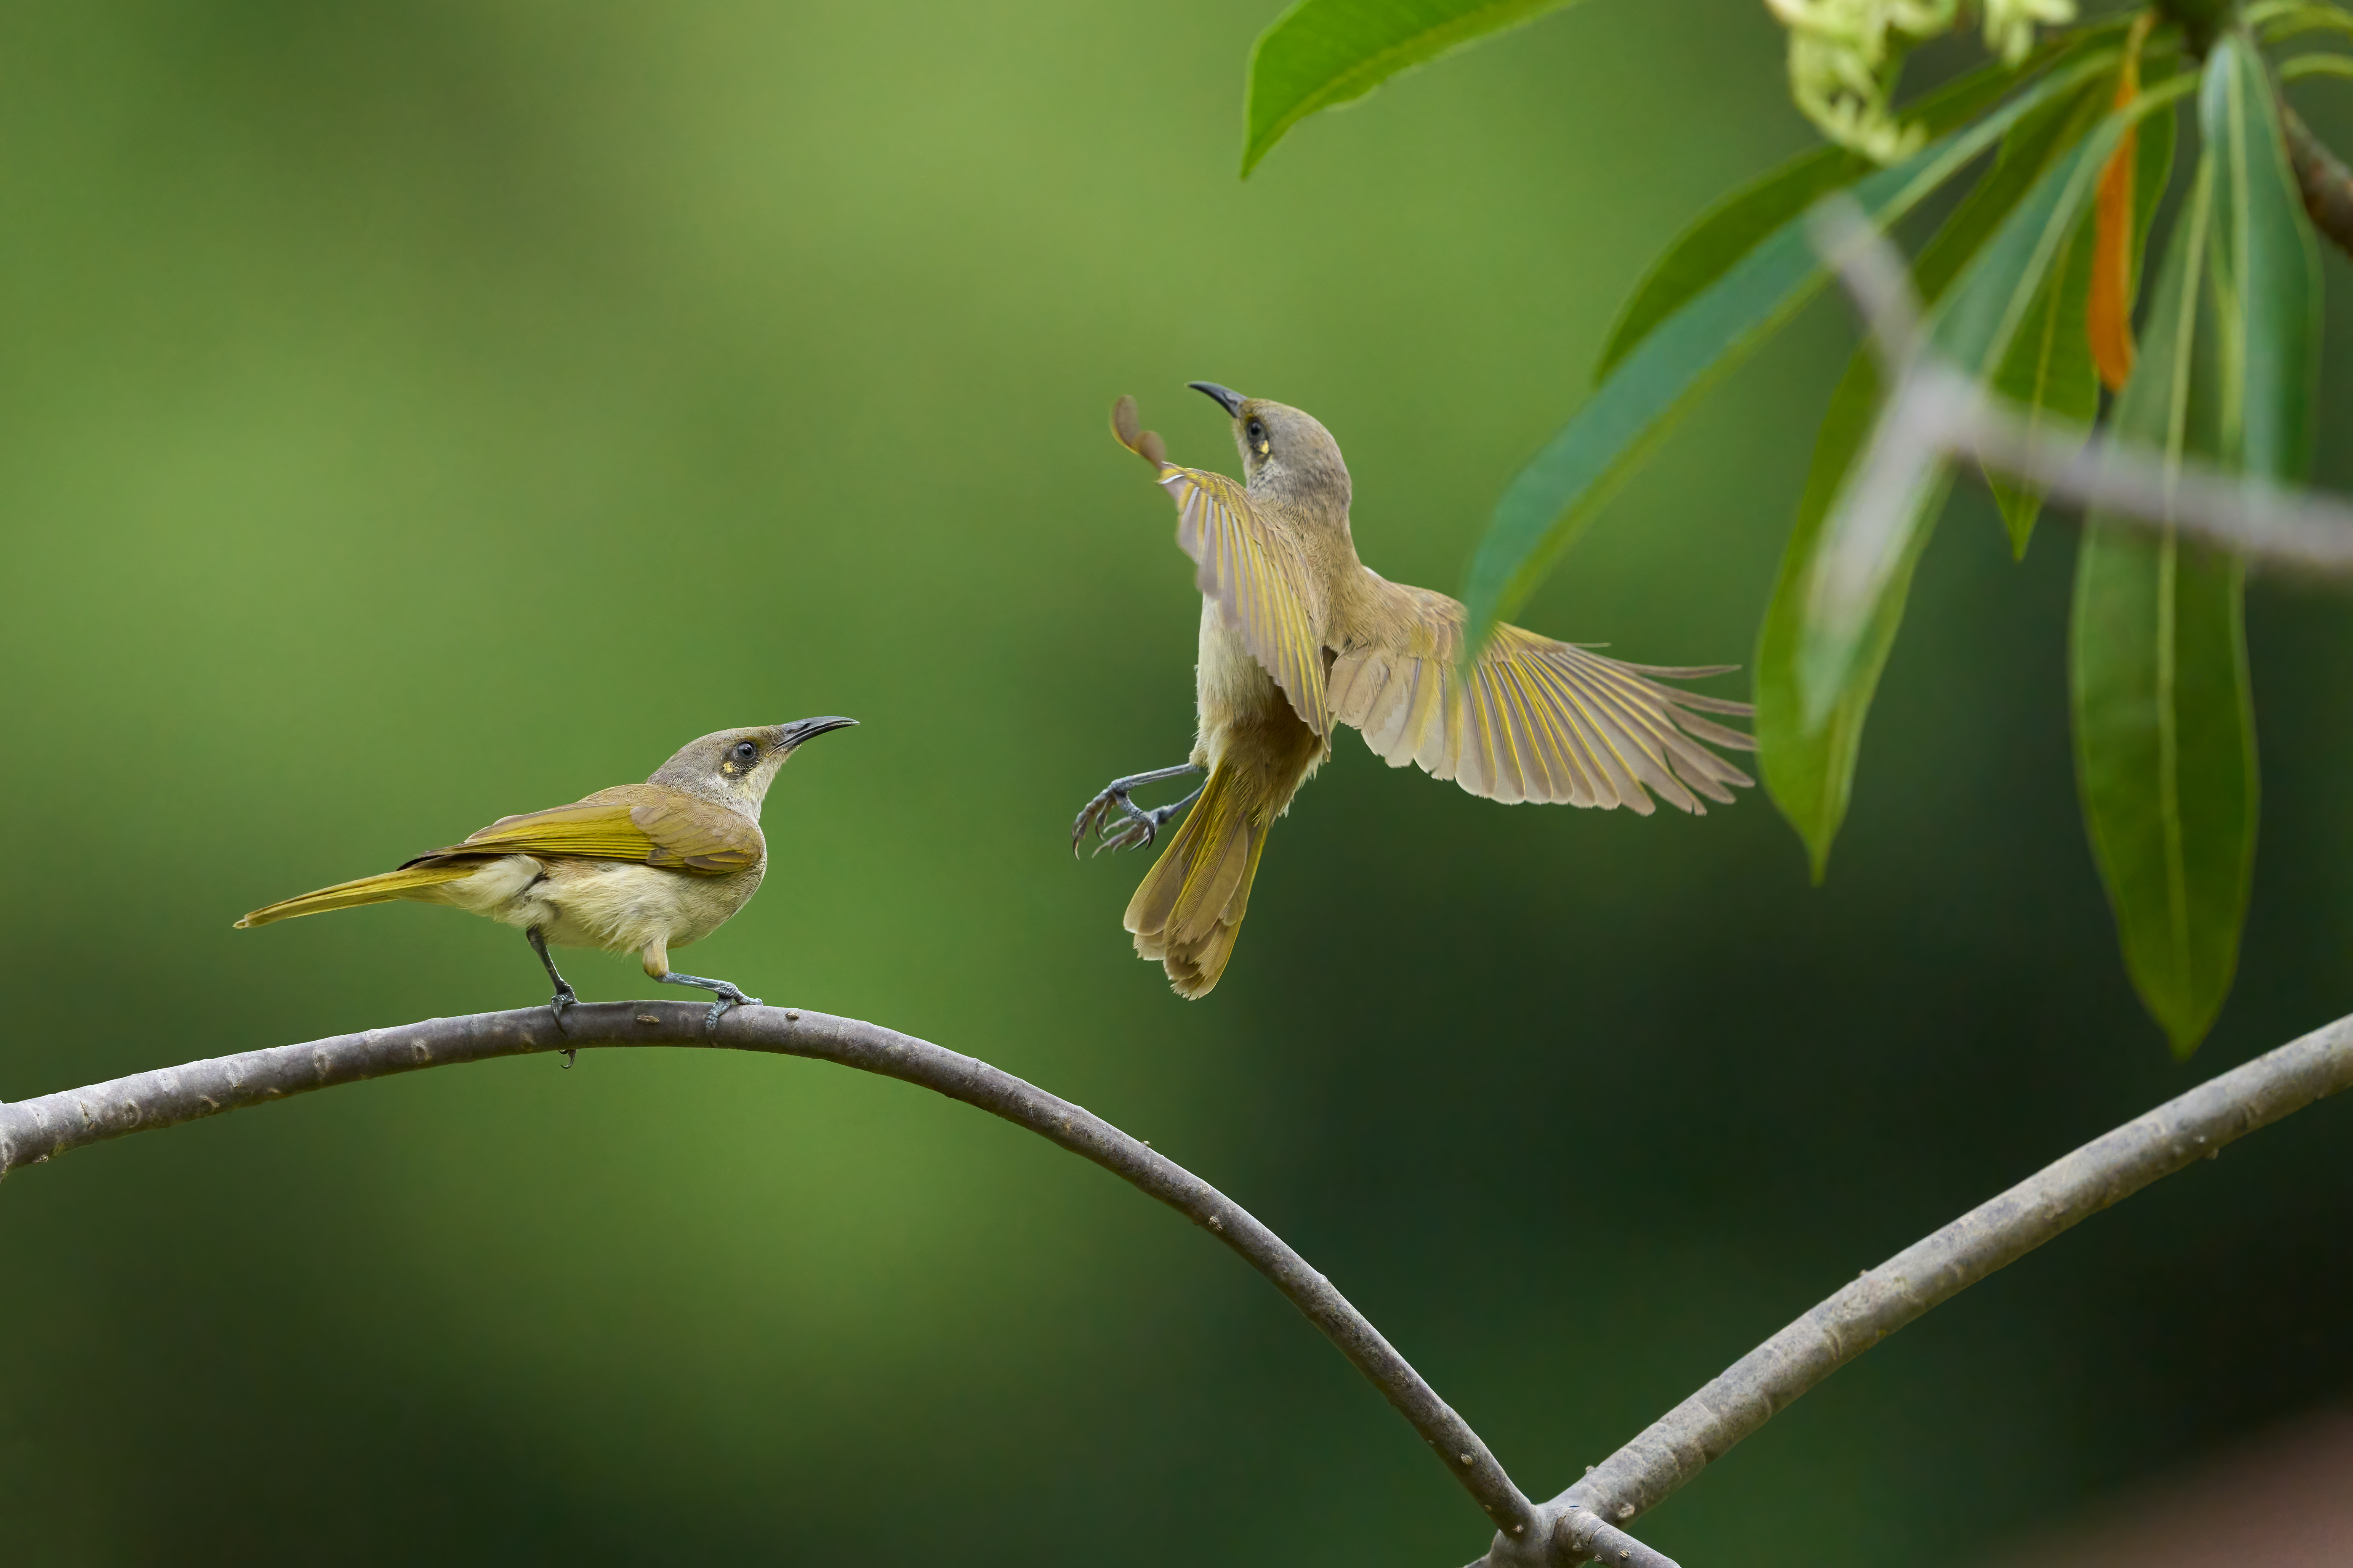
<point x="2030" y="286"/>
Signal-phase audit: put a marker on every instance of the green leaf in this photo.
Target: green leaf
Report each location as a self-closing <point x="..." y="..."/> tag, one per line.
<point x="2266" y="270"/>
<point x="1809" y="768"/>
<point x="1809" y="764"/>
<point x="1323" y="53"/>
<point x="1720" y="236"/>
<point x="2164" y="720"/>
<point x="1551" y="500"/>
<point x="2049" y="368"/>
<point x="1733" y="226"/>
<point x="2156" y="654"/>
<point x="1882" y="515"/>
<point x="1998" y="254"/>
<point x="2021" y="174"/>
<point x="2165" y="737"/>
<point x="2151" y="175"/>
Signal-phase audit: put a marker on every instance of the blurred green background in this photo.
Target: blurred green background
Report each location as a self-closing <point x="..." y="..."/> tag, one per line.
<point x="412" y="414"/>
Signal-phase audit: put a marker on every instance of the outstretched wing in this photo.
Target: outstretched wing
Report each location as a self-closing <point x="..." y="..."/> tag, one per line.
<point x="1242" y="563"/>
<point x="647" y="823"/>
<point x="1537" y="720"/>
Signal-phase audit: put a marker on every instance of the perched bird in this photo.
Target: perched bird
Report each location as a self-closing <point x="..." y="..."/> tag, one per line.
<point x="635" y="868"/>
<point x="1297" y="635"/>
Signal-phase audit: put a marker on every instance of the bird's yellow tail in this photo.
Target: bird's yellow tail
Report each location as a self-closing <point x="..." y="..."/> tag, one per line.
<point x="1191" y="904"/>
<point x="405" y="883"/>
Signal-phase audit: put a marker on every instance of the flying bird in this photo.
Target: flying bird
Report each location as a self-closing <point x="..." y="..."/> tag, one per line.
<point x="638" y="868"/>
<point x="1299" y="636"/>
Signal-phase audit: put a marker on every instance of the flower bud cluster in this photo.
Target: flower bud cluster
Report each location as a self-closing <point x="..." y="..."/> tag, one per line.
<point x="1844" y="54"/>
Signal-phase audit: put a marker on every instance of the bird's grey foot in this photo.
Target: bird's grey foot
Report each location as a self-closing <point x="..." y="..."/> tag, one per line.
<point x="1142" y="827"/>
<point x="728" y="996"/>
<point x="564" y="1000"/>
<point x="1121" y="823"/>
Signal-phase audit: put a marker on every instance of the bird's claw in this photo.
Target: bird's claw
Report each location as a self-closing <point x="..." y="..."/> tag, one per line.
<point x="1092" y="815"/>
<point x="729" y="996"/>
<point x="1142" y="827"/>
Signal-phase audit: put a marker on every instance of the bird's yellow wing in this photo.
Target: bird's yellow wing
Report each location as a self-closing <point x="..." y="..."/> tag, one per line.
<point x="1538" y="719"/>
<point x="695" y="833"/>
<point x="647" y="823"/>
<point x="1245" y="566"/>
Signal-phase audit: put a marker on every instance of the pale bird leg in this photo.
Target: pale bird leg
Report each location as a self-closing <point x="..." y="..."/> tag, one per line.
<point x="1142" y="825"/>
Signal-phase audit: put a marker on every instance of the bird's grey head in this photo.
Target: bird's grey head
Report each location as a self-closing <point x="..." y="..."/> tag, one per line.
<point x="735" y="767"/>
<point x="1286" y="453"/>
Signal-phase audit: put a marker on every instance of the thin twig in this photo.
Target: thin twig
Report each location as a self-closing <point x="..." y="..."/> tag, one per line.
<point x="35" y="1130"/>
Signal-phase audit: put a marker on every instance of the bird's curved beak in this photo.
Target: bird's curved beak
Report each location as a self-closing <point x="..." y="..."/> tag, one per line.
<point x="1230" y="400"/>
<point x="790" y="736"/>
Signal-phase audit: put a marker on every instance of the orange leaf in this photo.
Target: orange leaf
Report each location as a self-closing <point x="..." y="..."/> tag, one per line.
<point x="2107" y="318"/>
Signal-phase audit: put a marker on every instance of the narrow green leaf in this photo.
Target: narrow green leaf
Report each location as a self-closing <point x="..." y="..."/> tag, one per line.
<point x="1323" y="53"/>
<point x="1551" y="500"/>
<point x="2156" y="654"/>
<point x="1735" y="226"/>
<point x="1720" y="236"/>
<point x="2164" y="718"/>
<point x="1998" y="257"/>
<point x="1809" y="768"/>
<point x="2165" y="750"/>
<point x="2049" y="371"/>
<point x="2049" y="368"/>
<point x="2266" y="269"/>
<point x="1880" y="518"/>
<point x="2151" y="175"/>
<point x="1986" y="315"/>
<point x="2055" y="129"/>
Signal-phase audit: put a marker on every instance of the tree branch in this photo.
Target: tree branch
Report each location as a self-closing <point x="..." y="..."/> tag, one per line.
<point x="2177" y="1134"/>
<point x="2327" y="184"/>
<point x="1937" y="413"/>
<point x="35" y="1130"/>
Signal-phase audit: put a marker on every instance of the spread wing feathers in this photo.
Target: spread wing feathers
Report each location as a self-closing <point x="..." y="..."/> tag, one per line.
<point x="1255" y="576"/>
<point x="1538" y="719"/>
<point x="409" y="882"/>
<point x="649" y="823"/>
<point x="1242" y="563"/>
<point x="1191" y="906"/>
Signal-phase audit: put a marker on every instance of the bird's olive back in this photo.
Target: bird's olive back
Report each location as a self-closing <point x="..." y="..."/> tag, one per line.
<point x="1288" y="455"/>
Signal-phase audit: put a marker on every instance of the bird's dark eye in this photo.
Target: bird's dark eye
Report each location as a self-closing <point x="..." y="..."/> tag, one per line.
<point x="746" y="750"/>
<point x="1257" y="437"/>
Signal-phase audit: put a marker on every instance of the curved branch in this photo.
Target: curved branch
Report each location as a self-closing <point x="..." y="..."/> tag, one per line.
<point x="35" y="1130"/>
<point x="2175" y="1136"/>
